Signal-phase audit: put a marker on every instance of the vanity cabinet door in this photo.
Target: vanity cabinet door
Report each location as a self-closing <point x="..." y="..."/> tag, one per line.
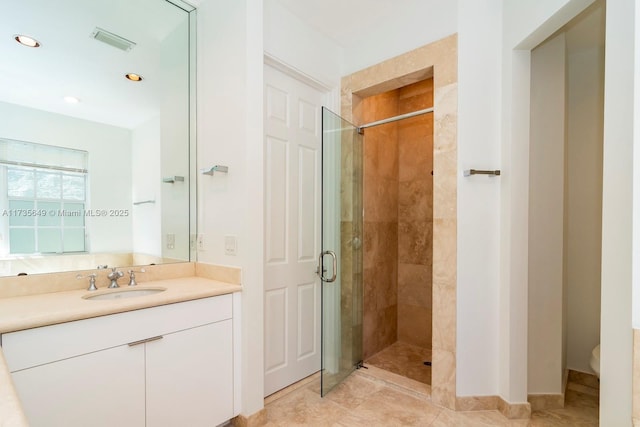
<point x="104" y="388"/>
<point x="190" y="377"/>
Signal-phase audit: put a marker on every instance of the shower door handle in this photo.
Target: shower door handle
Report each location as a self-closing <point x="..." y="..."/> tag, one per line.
<point x="320" y="270"/>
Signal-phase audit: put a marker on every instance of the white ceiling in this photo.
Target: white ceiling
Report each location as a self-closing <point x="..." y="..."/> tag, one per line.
<point x="345" y="22"/>
<point x="370" y="31"/>
<point x="71" y="62"/>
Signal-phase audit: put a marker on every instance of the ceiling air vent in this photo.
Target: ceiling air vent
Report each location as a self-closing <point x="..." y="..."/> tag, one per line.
<point x="112" y="39"/>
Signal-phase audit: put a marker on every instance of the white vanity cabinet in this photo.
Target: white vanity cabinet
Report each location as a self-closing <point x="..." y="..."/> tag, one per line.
<point x="164" y="366"/>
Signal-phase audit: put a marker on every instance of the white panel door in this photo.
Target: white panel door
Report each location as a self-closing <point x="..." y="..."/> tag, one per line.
<point x="292" y="226"/>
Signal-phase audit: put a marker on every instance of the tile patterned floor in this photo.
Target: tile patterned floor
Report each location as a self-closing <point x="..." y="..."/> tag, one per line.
<point x="362" y="401"/>
<point x="404" y="359"/>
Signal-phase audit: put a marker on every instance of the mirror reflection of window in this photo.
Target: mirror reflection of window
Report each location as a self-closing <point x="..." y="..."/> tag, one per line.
<point x="44" y="198"/>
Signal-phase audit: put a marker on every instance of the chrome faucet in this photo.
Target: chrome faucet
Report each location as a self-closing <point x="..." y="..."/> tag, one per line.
<point x="114" y="276"/>
<point x="92" y="281"/>
<point x="132" y="276"/>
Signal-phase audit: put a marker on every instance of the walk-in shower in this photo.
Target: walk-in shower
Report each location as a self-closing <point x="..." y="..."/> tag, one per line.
<point x="398" y="230"/>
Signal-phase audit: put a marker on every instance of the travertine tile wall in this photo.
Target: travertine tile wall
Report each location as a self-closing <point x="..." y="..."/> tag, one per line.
<point x="415" y="215"/>
<point x="398" y="211"/>
<point x="380" y="187"/>
<point x="437" y="60"/>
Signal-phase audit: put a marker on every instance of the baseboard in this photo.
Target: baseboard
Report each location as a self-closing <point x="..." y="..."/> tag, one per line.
<point x="636" y="378"/>
<point x="477" y="403"/>
<point x="514" y="411"/>
<point x="487" y="403"/>
<point x="540" y="402"/>
<point x="255" y="420"/>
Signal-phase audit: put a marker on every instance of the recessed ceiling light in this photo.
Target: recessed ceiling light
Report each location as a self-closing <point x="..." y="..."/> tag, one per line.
<point x="133" y="77"/>
<point x="71" y="99"/>
<point x="26" y="40"/>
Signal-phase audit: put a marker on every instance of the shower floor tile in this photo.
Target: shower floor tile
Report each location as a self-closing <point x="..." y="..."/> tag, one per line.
<point x="404" y="359"/>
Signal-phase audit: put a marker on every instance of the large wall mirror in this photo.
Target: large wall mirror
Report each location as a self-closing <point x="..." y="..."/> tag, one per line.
<point x="96" y="124"/>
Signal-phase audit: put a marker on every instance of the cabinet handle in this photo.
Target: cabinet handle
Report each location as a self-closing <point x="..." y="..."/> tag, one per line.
<point x="159" y="337"/>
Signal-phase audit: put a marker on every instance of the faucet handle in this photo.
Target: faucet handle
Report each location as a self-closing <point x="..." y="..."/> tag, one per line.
<point x="114" y="276"/>
<point x="132" y="276"/>
<point x="92" y="281"/>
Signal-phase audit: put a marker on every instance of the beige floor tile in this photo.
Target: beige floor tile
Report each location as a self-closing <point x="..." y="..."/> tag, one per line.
<point x="361" y="401"/>
<point x="394" y="408"/>
<point x="580" y="410"/>
<point x="354" y="392"/>
<point x="304" y="408"/>
<point x="356" y="420"/>
<point x="476" y="419"/>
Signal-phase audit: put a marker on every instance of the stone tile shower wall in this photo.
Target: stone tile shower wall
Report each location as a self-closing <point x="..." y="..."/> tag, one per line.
<point x="380" y="259"/>
<point x="398" y="217"/>
<point x="415" y="215"/>
<point x="440" y="61"/>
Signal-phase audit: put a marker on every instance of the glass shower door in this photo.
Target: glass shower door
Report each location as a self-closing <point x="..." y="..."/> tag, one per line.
<point x="340" y="263"/>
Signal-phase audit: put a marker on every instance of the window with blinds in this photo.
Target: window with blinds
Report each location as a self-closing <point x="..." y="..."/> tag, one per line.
<point x="45" y="197"/>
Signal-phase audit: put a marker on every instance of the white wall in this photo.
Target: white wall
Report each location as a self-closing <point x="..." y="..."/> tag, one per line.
<point x="109" y="150"/>
<point x="291" y="41"/>
<point x="230" y="57"/>
<point x="585" y="68"/>
<point x="636" y="183"/>
<point x="479" y="77"/>
<point x="546" y="218"/>
<point x="145" y="183"/>
<point x="616" y="337"/>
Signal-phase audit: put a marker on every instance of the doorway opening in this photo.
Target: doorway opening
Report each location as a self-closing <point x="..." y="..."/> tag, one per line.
<point x="565" y="214"/>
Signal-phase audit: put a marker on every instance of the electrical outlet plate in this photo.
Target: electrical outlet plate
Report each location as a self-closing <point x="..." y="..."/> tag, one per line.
<point x="201" y="242"/>
<point x="231" y="245"/>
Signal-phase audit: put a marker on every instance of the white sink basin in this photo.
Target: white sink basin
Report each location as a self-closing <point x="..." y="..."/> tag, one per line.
<point x="124" y="293"/>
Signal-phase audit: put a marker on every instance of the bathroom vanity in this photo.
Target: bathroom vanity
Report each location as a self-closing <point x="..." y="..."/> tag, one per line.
<point x="121" y="364"/>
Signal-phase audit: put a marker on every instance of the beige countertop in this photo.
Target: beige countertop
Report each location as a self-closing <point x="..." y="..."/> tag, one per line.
<point x="25" y="312"/>
<point x="32" y="311"/>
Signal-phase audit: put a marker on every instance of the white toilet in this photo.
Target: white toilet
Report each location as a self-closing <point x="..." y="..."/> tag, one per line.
<point x="595" y="360"/>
